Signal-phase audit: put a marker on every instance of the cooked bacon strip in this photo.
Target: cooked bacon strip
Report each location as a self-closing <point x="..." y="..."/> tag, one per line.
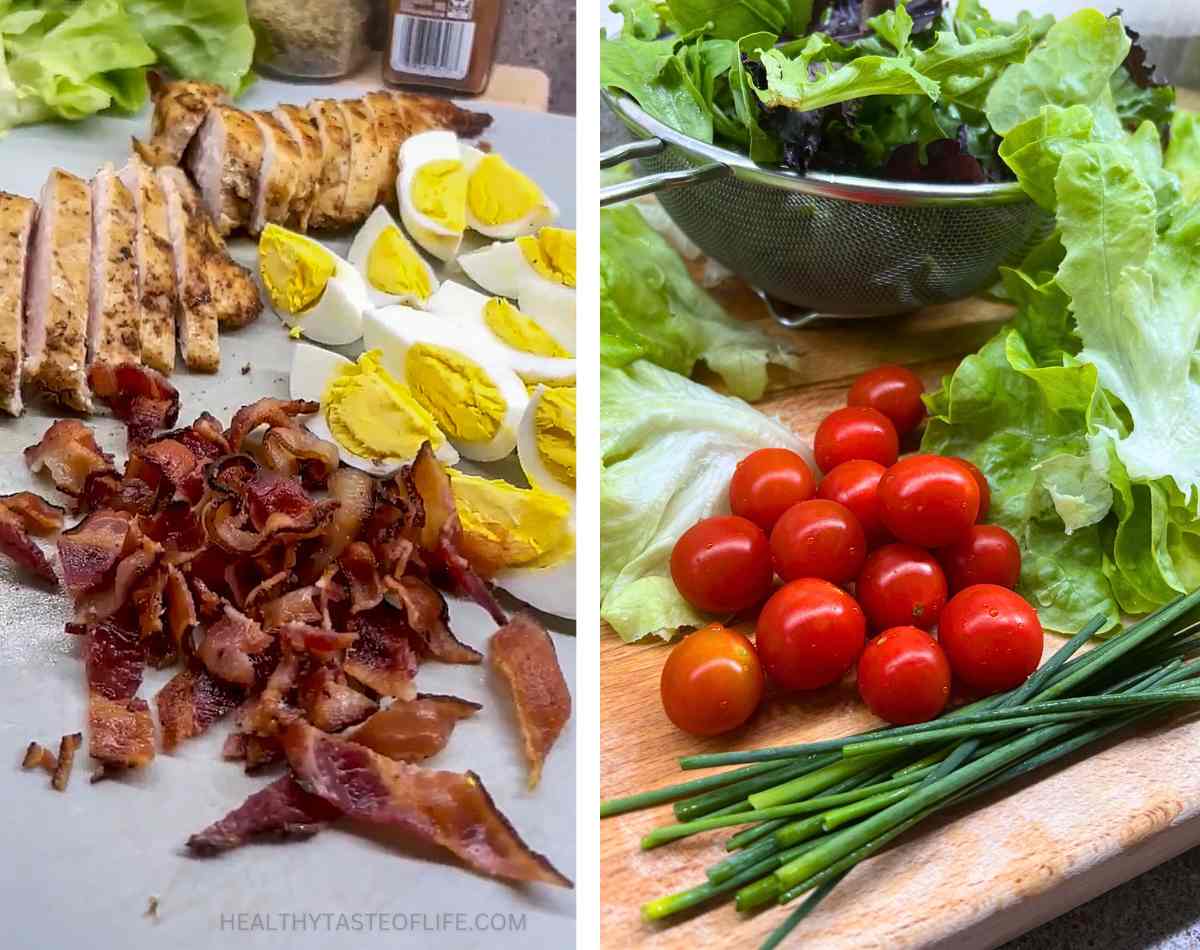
<point x="360" y="569"/>
<point x="228" y="644"/>
<point x="383" y="657"/>
<point x="225" y="525"/>
<point x="139" y="396"/>
<point x="37" y="515"/>
<point x="445" y="808"/>
<point x="269" y="710"/>
<point x="524" y="654"/>
<point x="166" y="466"/>
<point x="317" y="641"/>
<point x="261" y="592"/>
<point x="329" y="702"/>
<point x="89" y="552"/>
<point x="282" y="810"/>
<point x="113" y="660"/>
<point x="429" y="617"/>
<point x="267" y="411"/>
<point x="68" y="451"/>
<point x="296" y="606"/>
<point x="291" y="451"/>
<point x="109" y="598"/>
<point x="20" y="515"/>
<point x="120" y="732"/>
<point x="354" y="491"/>
<point x="67" y="747"/>
<point x="191" y="702"/>
<point x="413" y="731"/>
<point x="177" y="529"/>
<point x="147" y="600"/>
<point x="180" y="607"/>
<point x="39" y="757"/>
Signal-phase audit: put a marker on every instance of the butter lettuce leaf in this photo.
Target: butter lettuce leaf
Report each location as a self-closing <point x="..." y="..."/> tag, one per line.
<point x="210" y="40"/>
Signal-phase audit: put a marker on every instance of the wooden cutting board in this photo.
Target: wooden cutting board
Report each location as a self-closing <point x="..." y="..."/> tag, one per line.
<point x="973" y="879"/>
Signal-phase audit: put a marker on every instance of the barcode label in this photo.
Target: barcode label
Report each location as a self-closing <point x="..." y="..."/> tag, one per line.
<point x="440" y="48"/>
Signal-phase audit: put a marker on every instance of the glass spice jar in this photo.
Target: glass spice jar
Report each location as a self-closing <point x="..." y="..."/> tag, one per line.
<point x="309" y="39"/>
<point x="449" y="44"/>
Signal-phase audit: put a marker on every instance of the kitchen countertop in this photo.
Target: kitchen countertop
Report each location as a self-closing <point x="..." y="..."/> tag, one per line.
<point x="541" y="33"/>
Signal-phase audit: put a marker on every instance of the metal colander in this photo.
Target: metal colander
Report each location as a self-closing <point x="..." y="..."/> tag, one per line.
<point x="831" y="244"/>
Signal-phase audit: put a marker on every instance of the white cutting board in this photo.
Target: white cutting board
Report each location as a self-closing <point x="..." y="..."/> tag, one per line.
<point x="81" y="867"/>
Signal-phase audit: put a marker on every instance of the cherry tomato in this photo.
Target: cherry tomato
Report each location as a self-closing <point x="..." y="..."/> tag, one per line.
<point x="992" y="637"/>
<point x="901" y="586"/>
<point x="853" y="484"/>
<point x="893" y="390"/>
<point x="987" y="555"/>
<point x="903" y="676"/>
<point x="818" y="538"/>
<point x="712" y="681"/>
<point x="985" y="491"/>
<point x="767" y="483"/>
<point x="855" y="432"/>
<point x="722" y="564"/>
<point x="928" y="500"/>
<point x="809" y="634"/>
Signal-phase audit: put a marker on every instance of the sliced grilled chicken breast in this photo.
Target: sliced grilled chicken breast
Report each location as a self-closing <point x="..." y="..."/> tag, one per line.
<point x="279" y="174"/>
<point x="303" y="129"/>
<point x="368" y="163"/>
<point x="224" y="159"/>
<point x="155" y="266"/>
<point x="179" y="110"/>
<point x="114" y="311"/>
<point x="390" y="133"/>
<point x="335" y="170"/>
<point x="56" y="302"/>
<point x="235" y="295"/>
<point x="421" y="113"/>
<point x="16" y="226"/>
<point x="196" y="328"/>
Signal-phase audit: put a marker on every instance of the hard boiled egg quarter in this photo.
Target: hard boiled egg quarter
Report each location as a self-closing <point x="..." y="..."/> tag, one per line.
<point x="310" y="287"/>
<point x="502" y="201"/>
<point x="394" y="270"/>
<point x="529" y="349"/>
<point x="459" y="376"/>
<point x="432" y="192"/>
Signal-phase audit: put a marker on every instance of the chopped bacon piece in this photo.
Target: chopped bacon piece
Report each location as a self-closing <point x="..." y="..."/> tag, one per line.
<point x="361" y="570"/>
<point x="415" y="730"/>
<point x="294" y="451"/>
<point x="120" y="732"/>
<point x="89" y="552"/>
<point x="191" y="702"/>
<point x="16" y="524"/>
<point x="38" y="516"/>
<point x="107" y="600"/>
<point x="177" y="529"/>
<point x="165" y="465"/>
<point x="383" y="657"/>
<point x="266" y="589"/>
<point x="113" y="660"/>
<point x="281" y="810"/>
<point x="269" y="412"/>
<point x="228" y="645"/>
<point x="329" y="702"/>
<point x="269" y="710"/>
<point x="137" y="395"/>
<point x="225" y="527"/>
<point x="301" y="605"/>
<point x="39" y="757"/>
<point x="449" y="809"/>
<point x="354" y="491"/>
<point x="67" y="747"/>
<point x="524" y="654"/>
<point x="147" y="599"/>
<point x="207" y="603"/>
<point x="68" y="451"/>
<point x="317" y="641"/>
<point x="181" y="608"/>
<point x="429" y="617"/>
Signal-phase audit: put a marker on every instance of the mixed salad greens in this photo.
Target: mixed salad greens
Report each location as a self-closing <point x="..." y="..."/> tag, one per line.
<point x="1084" y="410"/>
<point x="69" y="59"/>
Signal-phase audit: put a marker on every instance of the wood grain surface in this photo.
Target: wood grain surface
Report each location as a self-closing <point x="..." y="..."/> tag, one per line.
<point x="971" y="879"/>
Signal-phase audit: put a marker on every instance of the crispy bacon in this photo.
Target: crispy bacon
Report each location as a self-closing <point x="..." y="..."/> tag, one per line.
<point x="68" y="451"/>
<point x="415" y="730"/>
<point x="269" y="412"/>
<point x="39" y="757"/>
<point x="89" y="552"/>
<point x="383" y="657"/>
<point x="191" y="702"/>
<point x="113" y="660"/>
<point x="227" y="527"/>
<point x="106" y="600"/>
<point x="120" y="732"/>
<point x="445" y="808"/>
<point x="147" y="599"/>
<point x="207" y="602"/>
<point x="361" y="570"/>
<point x="301" y="605"/>
<point x="282" y="810"/>
<point x="67" y="747"/>
<point x="228" y="645"/>
<point x="265" y="713"/>
<point x="137" y="395"/>
<point x="297" y="452"/>
<point x="354" y="491"/>
<point x="19" y="517"/>
<point x="166" y="466"/>
<point x="177" y="529"/>
<point x="265" y="589"/>
<point x="316" y="641"/>
<point x="429" y="617"/>
<point x="180" y="607"/>
<point x="329" y="703"/>
<point x="524" y="654"/>
<point x="204" y="437"/>
<point x="38" y="516"/>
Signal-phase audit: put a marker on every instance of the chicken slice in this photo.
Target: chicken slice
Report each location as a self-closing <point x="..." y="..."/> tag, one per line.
<point x="368" y="163"/>
<point x="155" y="266"/>
<point x="390" y="133"/>
<point x="419" y="113"/>
<point x="303" y="129"/>
<point x="16" y="226"/>
<point x="224" y="159"/>
<point x="235" y="294"/>
<point x="179" y="110"/>
<point x="114" y="312"/>
<point x="280" y="171"/>
<point x="335" y="169"/>
<point x="196" y="328"/>
<point x="56" y="304"/>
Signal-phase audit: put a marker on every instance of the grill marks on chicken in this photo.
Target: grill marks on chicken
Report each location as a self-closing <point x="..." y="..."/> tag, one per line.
<point x="368" y="163"/>
<point x="196" y="322"/>
<point x="279" y="173"/>
<point x="16" y="225"/>
<point x="305" y="136"/>
<point x="155" y="265"/>
<point x="327" y="211"/>
<point x="114" y="311"/>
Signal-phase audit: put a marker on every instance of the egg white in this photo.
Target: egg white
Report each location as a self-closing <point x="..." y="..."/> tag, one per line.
<point x="536" y="472"/>
<point x="395" y="330"/>
<point x="549" y="589"/>
<point x="545" y="213"/>
<point x="417" y="151"/>
<point x="336" y="318"/>
<point x="378" y="222"/>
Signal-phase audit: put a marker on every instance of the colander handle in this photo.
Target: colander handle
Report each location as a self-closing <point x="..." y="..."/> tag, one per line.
<point x="649" y="184"/>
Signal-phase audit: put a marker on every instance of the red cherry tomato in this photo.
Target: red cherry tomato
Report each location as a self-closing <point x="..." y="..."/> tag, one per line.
<point x="903" y="676"/>
<point x="853" y="484"/>
<point x="767" y="483"/>
<point x="992" y="637"/>
<point x="855" y="432"/>
<point x="712" y="681"/>
<point x="818" y="538"/>
<point x="809" y="634"/>
<point x="985" y="491"/>
<point x="893" y="390"/>
<point x="987" y="555"/>
<point x="901" y="586"/>
<point x="928" y="500"/>
<point x="722" y="564"/>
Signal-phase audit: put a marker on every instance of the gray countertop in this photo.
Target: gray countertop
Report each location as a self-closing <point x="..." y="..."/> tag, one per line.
<point x="541" y="33"/>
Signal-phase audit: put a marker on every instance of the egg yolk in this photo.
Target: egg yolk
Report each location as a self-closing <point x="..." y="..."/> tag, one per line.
<point x="395" y="267"/>
<point x="506" y="526"/>
<point x="518" y="330"/>
<point x="373" y="415"/>
<point x="551" y="254"/>
<point x="439" y="191"/>
<point x="294" y="269"/>
<point x="461" y="397"/>
<point x="497" y="193"/>
<point x="554" y="432"/>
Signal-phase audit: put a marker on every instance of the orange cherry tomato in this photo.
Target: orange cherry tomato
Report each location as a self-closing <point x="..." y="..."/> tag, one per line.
<point x="712" y="681"/>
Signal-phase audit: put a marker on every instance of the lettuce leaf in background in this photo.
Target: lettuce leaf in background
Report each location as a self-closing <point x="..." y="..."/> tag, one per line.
<point x="1183" y="154"/>
<point x="654" y="77"/>
<point x="209" y="40"/>
<point x="668" y="447"/>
